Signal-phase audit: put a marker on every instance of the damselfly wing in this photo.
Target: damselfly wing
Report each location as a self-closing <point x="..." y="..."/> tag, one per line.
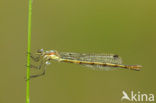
<point x="93" y="60"/>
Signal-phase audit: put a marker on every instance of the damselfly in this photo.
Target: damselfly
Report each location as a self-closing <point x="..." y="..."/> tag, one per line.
<point x="97" y="61"/>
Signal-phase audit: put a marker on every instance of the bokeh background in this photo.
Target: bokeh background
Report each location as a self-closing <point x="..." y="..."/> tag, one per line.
<point x="123" y="27"/>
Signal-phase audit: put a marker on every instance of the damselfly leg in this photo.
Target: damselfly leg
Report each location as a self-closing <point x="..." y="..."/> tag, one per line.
<point x="37" y="67"/>
<point x="37" y="56"/>
<point x="44" y="65"/>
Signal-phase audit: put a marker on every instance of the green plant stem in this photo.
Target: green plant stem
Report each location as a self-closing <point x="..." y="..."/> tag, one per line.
<point x="28" y="51"/>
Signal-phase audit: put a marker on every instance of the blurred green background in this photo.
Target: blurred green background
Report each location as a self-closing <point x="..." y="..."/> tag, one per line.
<point x="123" y="27"/>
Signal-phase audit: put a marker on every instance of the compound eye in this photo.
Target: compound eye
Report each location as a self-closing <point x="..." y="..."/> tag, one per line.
<point x="40" y="51"/>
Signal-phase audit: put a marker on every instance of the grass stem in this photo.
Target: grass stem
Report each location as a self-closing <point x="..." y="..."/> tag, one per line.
<point x="28" y="51"/>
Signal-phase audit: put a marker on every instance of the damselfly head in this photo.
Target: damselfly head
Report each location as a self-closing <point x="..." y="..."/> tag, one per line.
<point x="40" y="51"/>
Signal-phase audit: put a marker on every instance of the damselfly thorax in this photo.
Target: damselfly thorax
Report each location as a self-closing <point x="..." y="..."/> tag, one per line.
<point x="96" y="61"/>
